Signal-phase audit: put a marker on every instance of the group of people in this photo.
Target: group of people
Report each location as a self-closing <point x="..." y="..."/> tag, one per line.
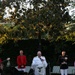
<point x="39" y="63"/>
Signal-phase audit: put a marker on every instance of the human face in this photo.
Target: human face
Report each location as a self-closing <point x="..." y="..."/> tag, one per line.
<point x="39" y="54"/>
<point x="63" y="53"/>
<point x="21" y="52"/>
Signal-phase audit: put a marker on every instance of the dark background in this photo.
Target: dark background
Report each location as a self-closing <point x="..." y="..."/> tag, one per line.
<point x="51" y="50"/>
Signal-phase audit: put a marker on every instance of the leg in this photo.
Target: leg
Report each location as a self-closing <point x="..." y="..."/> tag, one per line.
<point x="62" y="71"/>
<point x="25" y="73"/>
<point x="65" y="71"/>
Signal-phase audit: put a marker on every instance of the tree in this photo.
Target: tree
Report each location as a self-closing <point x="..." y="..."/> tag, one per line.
<point x="29" y="18"/>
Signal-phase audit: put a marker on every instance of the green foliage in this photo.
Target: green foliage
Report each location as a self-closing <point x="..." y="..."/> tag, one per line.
<point x="44" y="19"/>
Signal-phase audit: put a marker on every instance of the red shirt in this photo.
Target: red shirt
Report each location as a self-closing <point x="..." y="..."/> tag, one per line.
<point x="0" y="60"/>
<point x="21" y="61"/>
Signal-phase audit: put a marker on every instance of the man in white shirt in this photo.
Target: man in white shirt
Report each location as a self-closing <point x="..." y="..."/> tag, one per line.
<point x="39" y="64"/>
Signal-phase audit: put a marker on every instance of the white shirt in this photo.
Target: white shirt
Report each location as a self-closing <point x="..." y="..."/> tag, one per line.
<point x="38" y="65"/>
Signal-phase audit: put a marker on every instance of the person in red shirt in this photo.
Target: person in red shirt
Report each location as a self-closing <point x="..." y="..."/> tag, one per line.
<point x="21" y="61"/>
<point x="1" y="65"/>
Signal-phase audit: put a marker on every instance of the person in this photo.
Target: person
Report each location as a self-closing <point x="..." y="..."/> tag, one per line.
<point x="21" y="61"/>
<point x="2" y="64"/>
<point x="63" y="61"/>
<point x="39" y="64"/>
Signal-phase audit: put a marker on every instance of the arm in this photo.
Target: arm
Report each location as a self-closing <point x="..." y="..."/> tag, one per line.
<point x="34" y="63"/>
<point x="59" y="60"/>
<point x="65" y="59"/>
<point x="18" y="61"/>
<point x="5" y="60"/>
<point x="44" y="62"/>
<point x="25" y="61"/>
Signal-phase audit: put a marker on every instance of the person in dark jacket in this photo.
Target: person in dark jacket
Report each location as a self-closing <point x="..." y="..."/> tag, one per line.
<point x="63" y="61"/>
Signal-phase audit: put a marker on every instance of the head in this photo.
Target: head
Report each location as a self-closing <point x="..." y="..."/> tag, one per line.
<point x="39" y="53"/>
<point x="21" y="52"/>
<point x="63" y="53"/>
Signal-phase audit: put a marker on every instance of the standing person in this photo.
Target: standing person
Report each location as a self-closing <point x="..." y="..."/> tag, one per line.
<point x="21" y="61"/>
<point x="63" y="61"/>
<point x="39" y="64"/>
<point x="2" y="65"/>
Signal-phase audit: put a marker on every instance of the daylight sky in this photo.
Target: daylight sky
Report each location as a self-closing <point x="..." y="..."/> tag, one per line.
<point x="26" y="5"/>
<point x="70" y="8"/>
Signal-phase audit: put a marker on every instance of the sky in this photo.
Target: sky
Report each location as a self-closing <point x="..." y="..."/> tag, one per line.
<point x="70" y="9"/>
<point x="26" y="5"/>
